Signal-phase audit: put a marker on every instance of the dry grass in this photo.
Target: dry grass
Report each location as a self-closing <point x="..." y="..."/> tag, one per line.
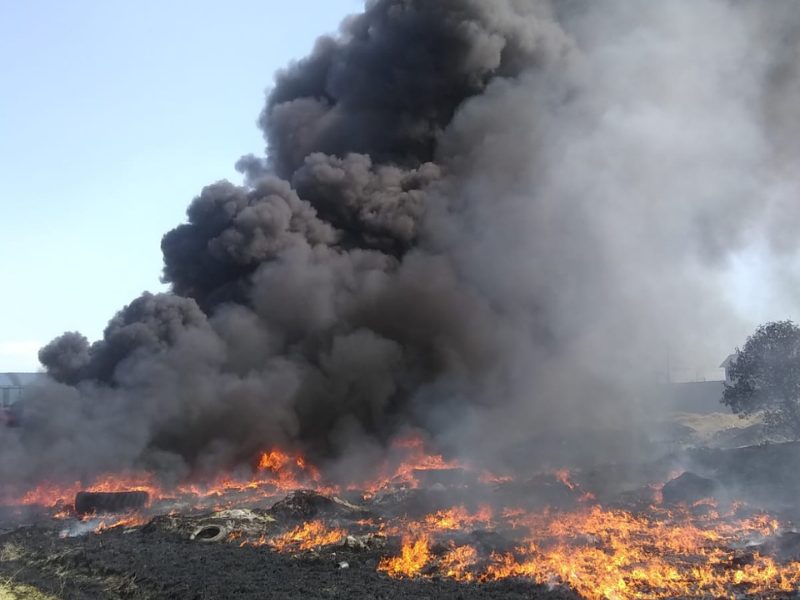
<point x="9" y="588"/>
<point x="12" y="591"/>
<point x="10" y="552"/>
<point x="714" y="423"/>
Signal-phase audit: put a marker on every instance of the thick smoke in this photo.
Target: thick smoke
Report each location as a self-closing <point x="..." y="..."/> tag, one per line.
<point x="482" y="219"/>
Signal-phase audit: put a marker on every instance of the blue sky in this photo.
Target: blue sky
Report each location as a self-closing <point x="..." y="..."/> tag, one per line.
<point x="113" y="116"/>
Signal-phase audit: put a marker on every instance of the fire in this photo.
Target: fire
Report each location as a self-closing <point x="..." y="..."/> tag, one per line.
<point x="414" y="458"/>
<point x="310" y="535"/>
<point x="415" y="555"/>
<point x="47" y="495"/>
<point x="563" y="477"/>
<point x="138" y="482"/>
<point x="274" y="461"/>
<point x="129" y="521"/>
<point x="612" y="554"/>
<point x="457" y="561"/>
<point x="285" y="472"/>
<point x="489" y="478"/>
<point x="454" y="519"/>
<point x="457" y="518"/>
<point x="277" y="472"/>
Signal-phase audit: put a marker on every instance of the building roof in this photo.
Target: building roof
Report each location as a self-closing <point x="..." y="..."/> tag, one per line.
<point x="728" y="361"/>
<point x="19" y="380"/>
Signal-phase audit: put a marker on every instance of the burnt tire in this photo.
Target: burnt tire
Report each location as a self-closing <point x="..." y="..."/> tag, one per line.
<point x="87" y="503"/>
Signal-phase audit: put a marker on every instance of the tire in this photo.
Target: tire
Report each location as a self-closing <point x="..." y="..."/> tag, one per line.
<point x="87" y="503"/>
<point x="209" y="533"/>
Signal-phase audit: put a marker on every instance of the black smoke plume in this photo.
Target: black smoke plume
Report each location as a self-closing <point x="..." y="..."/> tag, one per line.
<point x="482" y="219"/>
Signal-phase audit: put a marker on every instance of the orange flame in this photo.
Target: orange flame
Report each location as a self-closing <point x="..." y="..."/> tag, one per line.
<point x="457" y="518"/>
<point x="277" y="472"/>
<point x="129" y="521"/>
<point x="415" y="555"/>
<point x="563" y="477"/>
<point x="611" y="554"/>
<point x="456" y="563"/>
<point x="310" y="535"/>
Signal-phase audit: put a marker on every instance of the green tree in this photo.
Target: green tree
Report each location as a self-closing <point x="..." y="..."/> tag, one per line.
<point x="765" y="378"/>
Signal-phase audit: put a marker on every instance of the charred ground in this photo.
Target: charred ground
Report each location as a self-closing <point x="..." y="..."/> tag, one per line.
<point x="155" y="563"/>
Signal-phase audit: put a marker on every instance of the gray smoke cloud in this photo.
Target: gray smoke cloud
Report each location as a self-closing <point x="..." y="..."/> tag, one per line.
<point x="482" y="219"/>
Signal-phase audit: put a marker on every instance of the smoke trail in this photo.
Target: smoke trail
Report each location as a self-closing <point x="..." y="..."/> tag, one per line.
<point x="482" y="219"/>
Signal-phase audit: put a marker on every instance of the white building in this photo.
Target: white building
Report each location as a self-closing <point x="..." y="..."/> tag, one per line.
<point x="727" y="364"/>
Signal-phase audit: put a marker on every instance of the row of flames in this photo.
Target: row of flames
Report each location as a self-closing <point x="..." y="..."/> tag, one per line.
<point x="598" y="552"/>
<point x="276" y="473"/>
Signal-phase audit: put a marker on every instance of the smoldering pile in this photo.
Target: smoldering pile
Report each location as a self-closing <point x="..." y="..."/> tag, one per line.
<point x="462" y="206"/>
